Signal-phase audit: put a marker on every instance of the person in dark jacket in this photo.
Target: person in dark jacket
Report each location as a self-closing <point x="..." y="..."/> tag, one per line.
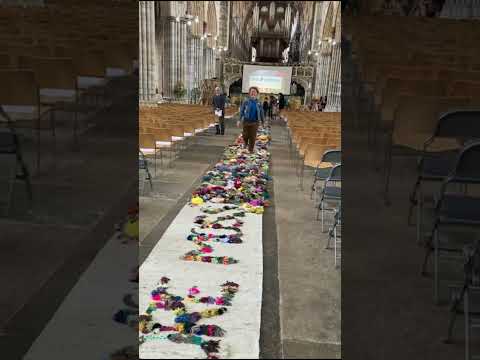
<point x="218" y="104"/>
<point x="281" y="104"/>
<point x="251" y="113"/>
<point x="271" y="107"/>
<point x="266" y="107"/>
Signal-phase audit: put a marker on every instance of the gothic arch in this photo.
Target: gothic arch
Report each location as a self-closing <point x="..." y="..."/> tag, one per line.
<point x="327" y="28"/>
<point x="211" y="23"/>
<point x="197" y="10"/>
<point x="229" y="81"/>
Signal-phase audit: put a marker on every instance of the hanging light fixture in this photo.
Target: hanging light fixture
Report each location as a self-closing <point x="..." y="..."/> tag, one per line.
<point x="189" y="23"/>
<point x="177" y="19"/>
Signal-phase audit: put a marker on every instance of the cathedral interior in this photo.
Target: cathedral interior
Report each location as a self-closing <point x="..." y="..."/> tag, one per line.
<point x="199" y="44"/>
<point x="171" y="179"/>
<point x="193" y="53"/>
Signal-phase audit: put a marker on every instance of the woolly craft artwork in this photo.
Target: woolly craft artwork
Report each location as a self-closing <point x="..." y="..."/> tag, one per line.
<point x="186" y="330"/>
<point x="97" y="334"/>
<point x="200" y="239"/>
<point x="129" y="315"/>
<point x="241" y="337"/>
<point x="231" y="219"/>
<point x="240" y="178"/>
<point x="129" y="230"/>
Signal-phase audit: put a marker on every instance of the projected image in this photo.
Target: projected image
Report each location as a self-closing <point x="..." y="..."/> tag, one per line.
<point x="268" y="79"/>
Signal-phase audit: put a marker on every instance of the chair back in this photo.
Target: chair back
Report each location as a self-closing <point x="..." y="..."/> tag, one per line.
<point x="332" y="156"/>
<point x="335" y="173"/>
<point x="467" y="169"/>
<point x="462" y="124"/>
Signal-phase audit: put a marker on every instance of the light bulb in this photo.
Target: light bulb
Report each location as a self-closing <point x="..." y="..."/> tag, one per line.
<point x="189" y="23"/>
<point x="177" y="19"/>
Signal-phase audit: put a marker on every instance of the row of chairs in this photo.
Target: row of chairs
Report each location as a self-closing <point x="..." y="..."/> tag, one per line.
<point x="408" y="84"/>
<point x="420" y="94"/>
<point x="310" y="134"/>
<point x="54" y="60"/>
<point x="172" y="128"/>
<point x="314" y="140"/>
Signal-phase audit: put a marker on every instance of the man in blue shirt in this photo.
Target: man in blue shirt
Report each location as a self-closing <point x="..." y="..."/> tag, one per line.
<point x="251" y="112"/>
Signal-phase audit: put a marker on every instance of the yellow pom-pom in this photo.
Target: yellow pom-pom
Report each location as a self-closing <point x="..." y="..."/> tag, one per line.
<point x="131" y="229"/>
<point x="196" y="200"/>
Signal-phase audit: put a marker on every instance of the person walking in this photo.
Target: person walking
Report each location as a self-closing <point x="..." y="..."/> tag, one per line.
<point x="281" y="103"/>
<point x="251" y="112"/>
<point x="324" y="103"/>
<point x="218" y="104"/>
<point x="266" y="107"/>
<point x="271" y="107"/>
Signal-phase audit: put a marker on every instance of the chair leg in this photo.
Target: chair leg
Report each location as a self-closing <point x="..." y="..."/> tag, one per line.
<point x="52" y="125"/>
<point x="155" y="163"/>
<point x="335" y="245"/>
<point x="329" y="239"/>
<point x="75" y="130"/>
<point x="318" y="210"/>
<point x="301" y="174"/>
<point x="388" y="169"/>
<point x="413" y="199"/>
<point x="11" y="185"/>
<point x="428" y="252"/>
<point x="436" y="266"/>
<point x="419" y="215"/>
<point x="323" y="215"/>
<point x="313" y="187"/>
<point x="466" y="309"/>
<point x="453" y="313"/>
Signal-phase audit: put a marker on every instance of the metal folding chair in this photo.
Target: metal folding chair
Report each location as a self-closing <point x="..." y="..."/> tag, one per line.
<point x="435" y="166"/>
<point x="331" y="192"/>
<point x="455" y="210"/>
<point x="144" y="172"/>
<point x="462" y="298"/>
<point x="335" y="234"/>
<point x="330" y="156"/>
<point x="10" y="147"/>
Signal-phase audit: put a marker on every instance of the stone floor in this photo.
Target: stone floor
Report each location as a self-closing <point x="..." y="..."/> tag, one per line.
<point x="388" y="307"/>
<point x="301" y="295"/>
<point x="310" y="285"/>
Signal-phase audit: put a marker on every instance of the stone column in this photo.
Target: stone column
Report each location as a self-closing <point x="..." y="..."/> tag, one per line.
<point x="190" y="64"/>
<point x="334" y="80"/>
<point x="141" y="51"/>
<point x="152" y="60"/>
<point x="183" y="53"/>
<point x="170" y="50"/>
<point x="147" y="50"/>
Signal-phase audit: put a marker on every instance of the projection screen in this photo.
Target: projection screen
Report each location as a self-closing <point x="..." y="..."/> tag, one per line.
<point x="268" y="79"/>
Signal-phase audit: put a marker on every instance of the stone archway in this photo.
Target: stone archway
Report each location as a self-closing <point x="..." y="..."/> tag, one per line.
<point x="227" y="82"/>
<point x="307" y="86"/>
